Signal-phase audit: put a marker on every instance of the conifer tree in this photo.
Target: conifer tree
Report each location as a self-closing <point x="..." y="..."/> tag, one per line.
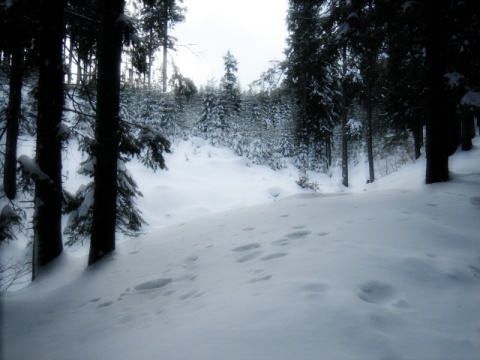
<point x="437" y="120"/>
<point x="107" y="128"/>
<point x="312" y="74"/>
<point x="158" y="17"/>
<point x="230" y="90"/>
<point x="48" y="191"/>
<point x="18" y="24"/>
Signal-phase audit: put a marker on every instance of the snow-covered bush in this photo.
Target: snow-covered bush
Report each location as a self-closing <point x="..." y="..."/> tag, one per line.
<point x="304" y="181"/>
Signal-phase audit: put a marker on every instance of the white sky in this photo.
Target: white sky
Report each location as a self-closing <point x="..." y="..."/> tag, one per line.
<point x="254" y="31"/>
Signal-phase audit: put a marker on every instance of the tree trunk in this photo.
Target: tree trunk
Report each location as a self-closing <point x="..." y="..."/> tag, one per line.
<point x="165" y="49"/>
<point x="70" y="62"/>
<point x="437" y="121"/>
<point x="107" y="130"/>
<point x="48" y="194"/>
<point x="79" y="72"/>
<point x="468" y="129"/>
<point x="13" y="120"/>
<point x="344" y="120"/>
<point x="150" y="59"/>
<point x="454" y="130"/>
<point x="477" y="117"/>
<point x="371" y="170"/>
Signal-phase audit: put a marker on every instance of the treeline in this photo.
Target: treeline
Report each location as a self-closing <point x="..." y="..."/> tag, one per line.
<point x="406" y="64"/>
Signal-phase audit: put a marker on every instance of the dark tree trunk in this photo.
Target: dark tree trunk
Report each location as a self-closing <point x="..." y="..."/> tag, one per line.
<point x="371" y="171"/>
<point x="477" y="116"/>
<point x="165" y="48"/>
<point x="468" y="129"/>
<point x="454" y="124"/>
<point x="48" y="194"/>
<point x="13" y="120"/>
<point x="79" y="72"/>
<point x="437" y="120"/>
<point x="107" y="131"/>
<point x="328" y="148"/>
<point x="344" y="120"/>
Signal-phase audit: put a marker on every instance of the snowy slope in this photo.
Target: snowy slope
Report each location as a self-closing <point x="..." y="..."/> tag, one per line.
<point x="390" y="271"/>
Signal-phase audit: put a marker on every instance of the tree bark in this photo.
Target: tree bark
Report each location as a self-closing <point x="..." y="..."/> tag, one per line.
<point x="437" y="121"/>
<point x="468" y="129"/>
<point x="165" y="49"/>
<point x="13" y="120"/>
<point x="107" y="130"/>
<point x="48" y="194"/>
<point x="371" y="171"/>
<point x="344" y="120"/>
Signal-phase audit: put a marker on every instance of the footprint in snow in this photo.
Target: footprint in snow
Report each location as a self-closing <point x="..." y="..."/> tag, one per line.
<point x="263" y="278"/>
<point x="298" y="234"/>
<point x="249" y="256"/>
<point x="105" y="304"/>
<point x="191" y="259"/>
<point x="273" y="256"/>
<point x="314" y="287"/>
<point x="376" y="292"/>
<point x="248" y="229"/>
<point x="153" y="284"/>
<point x="247" y="247"/>
<point x="280" y="242"/>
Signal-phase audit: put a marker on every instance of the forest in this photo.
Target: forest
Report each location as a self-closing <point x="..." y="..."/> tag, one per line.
<point x="362" y="80"/>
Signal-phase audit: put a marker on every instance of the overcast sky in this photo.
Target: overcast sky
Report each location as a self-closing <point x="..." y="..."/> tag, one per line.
<point x="254" y="31"/>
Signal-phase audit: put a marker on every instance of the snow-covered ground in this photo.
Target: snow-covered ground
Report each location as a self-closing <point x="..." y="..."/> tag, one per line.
<point x="240" y="263"/>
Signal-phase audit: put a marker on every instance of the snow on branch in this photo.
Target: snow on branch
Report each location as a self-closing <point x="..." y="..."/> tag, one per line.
<point x="31" y="170"/>
<point x="471" y="98"/>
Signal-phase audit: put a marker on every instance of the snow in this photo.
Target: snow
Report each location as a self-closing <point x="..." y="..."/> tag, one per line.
<point x="471" y="98"/>
<point x="30" y="168"/>
<point x="454" y="79"/>
<point x="240" y="263"/>
<point x="7" y="211"/>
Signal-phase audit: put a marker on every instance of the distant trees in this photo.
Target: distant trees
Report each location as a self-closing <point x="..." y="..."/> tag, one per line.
<point x="230" y="89"/>
<point x="157" y="17"/>
<point x="312" y="75"/>
<point x="221" y="106"/>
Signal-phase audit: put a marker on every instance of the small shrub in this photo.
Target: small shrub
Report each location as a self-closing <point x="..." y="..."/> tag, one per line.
<point x="304" y="181"/>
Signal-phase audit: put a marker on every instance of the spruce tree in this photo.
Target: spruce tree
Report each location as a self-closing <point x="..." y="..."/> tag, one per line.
<point x="158" y="17"/>
<point x="230" y="89"/>
<point x="18" y="23"/>
<point x="107" y="128"/>
<point x="48" y="192"/>
<point x="437" y="120"/>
